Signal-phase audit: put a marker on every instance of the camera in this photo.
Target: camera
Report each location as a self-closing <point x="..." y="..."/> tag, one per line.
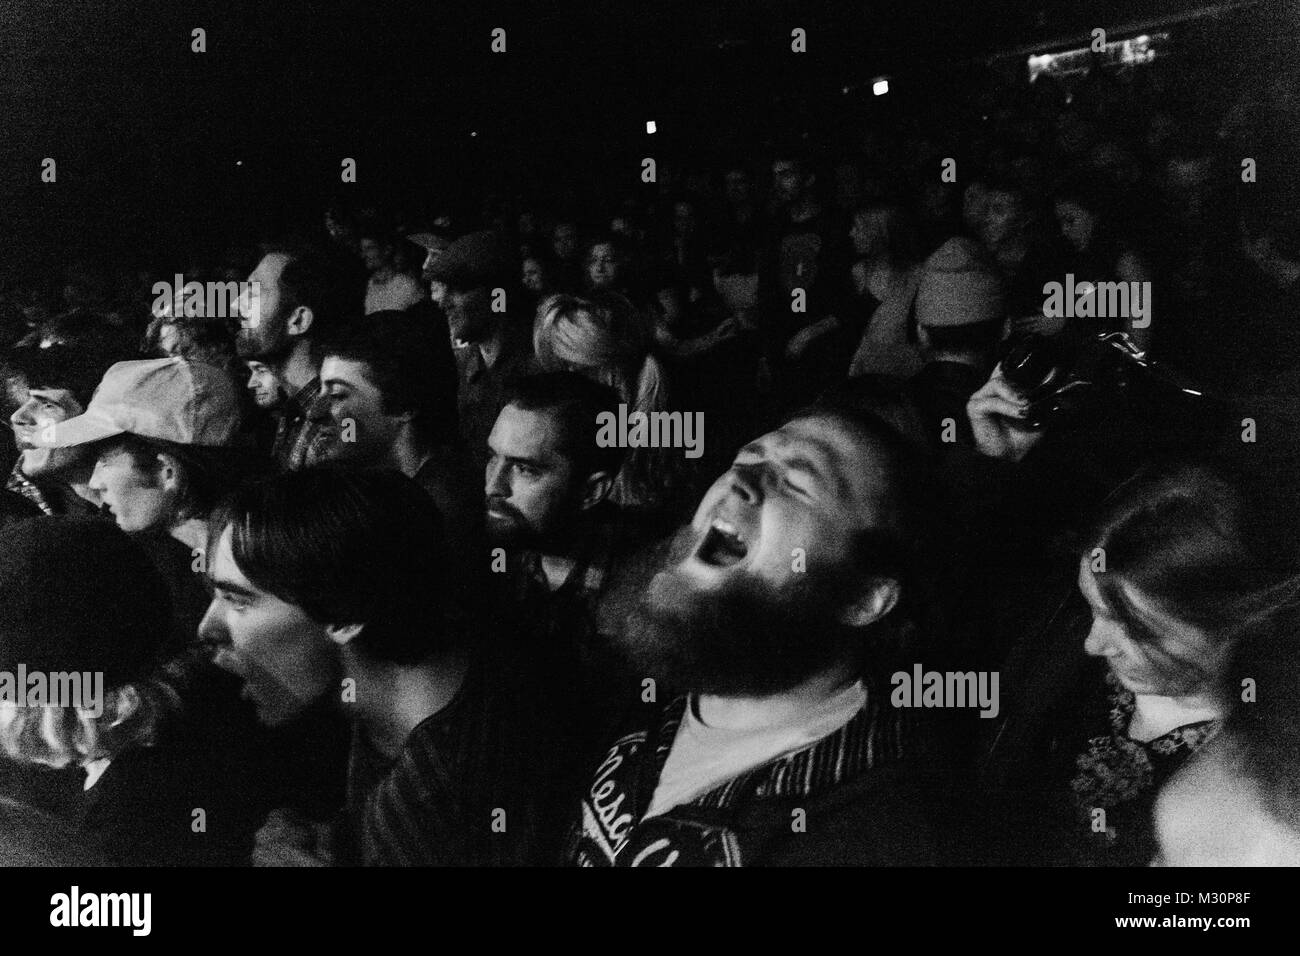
<point x="1066" y="377"/>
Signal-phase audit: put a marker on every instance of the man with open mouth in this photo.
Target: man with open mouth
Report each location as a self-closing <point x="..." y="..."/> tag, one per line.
<point x="772" y="618"/>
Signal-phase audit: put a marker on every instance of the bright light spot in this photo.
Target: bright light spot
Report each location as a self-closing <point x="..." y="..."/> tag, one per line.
<point x="473" y="132"/>
<point x="880" y="87"/>
<point x="239" y="162"/>
<point x="650" y="126"/>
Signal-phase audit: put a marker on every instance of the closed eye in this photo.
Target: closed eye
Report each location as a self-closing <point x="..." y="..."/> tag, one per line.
<point x="797" y="488"/>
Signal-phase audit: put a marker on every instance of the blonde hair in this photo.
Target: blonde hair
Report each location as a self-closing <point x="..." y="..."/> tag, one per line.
<point x="61" y="736"/>
<point x="604" y="337"/>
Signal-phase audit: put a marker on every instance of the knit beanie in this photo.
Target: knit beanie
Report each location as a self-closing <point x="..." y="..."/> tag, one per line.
<point x="960" y="285"/>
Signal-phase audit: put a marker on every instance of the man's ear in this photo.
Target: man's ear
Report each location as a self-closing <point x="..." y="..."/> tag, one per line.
<point x="300" y="321"/>
<point x="596" y="489"/>
<point x="341" y="634"/>
<point x="169" y="471"/>
<point x="878" y="598"/>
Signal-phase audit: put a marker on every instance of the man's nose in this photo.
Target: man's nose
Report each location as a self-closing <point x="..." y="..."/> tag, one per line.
<point x="22" y="415"/>
<point x="212" y="631"/>
<point x="747" y="482"/>
<point x="494" y="481"/>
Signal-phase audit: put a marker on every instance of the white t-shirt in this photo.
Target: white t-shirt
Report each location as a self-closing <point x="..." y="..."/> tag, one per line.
<point x="704" y="757"/>
<point x="398" y="293"/>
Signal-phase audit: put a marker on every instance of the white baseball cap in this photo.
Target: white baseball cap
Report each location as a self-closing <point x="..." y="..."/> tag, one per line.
<point x="189" y="403"/>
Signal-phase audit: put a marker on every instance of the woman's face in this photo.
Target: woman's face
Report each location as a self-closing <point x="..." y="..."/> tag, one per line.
<point x="138" y="500"/>
<point x="1077" y="224"/>
<point x="1137" y="665"/>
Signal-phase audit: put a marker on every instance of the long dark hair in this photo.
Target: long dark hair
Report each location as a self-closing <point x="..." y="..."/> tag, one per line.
<point x="1186" y="538"/>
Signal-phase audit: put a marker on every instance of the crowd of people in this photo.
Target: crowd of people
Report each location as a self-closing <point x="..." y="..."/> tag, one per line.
<point x="366" y="585"/>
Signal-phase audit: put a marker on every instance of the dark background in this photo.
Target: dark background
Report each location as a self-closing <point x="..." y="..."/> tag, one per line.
<point x="147" y="134"/>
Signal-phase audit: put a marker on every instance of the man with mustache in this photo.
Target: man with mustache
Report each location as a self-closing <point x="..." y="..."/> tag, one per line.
<point x="773" y="617"/>
<point x="557" y="539"/>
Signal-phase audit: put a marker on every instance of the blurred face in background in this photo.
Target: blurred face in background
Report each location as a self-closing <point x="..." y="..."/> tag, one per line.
<point x="263" y="385"/>
<point x="788" y="181"/>
<point x="1077" y="224"/>
<point x="374" y="254"/>
<point x="1004" y="217"/>
<point x="603" y="266"/>
<point x="533" y="277"/>
<point x="564" y="241"/>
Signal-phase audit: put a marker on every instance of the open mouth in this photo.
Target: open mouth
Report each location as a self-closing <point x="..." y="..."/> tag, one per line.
<point x="722" y="545"/>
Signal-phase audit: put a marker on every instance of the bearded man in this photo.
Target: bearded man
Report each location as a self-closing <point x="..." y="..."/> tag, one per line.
<point x="774" y="616"/>
<point x="291" y="301"/>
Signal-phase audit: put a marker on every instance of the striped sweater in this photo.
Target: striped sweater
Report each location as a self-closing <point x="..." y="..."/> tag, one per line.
<point x="851" y="798"/>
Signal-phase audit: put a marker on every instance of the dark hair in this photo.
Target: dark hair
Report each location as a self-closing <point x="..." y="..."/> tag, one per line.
<point x="206" y="474"/>
<point x="574" y="401"/>
<point x="409" y="363"/>
<point x="311" y="279"/>
<point x="1184" y="538"/>
<point x="79" y="367"/>
<point x="977" y="336"/>
<point x="347" y="547"/>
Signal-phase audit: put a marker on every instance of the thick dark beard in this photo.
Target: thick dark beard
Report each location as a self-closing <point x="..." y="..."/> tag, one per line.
<point x="746" y="639"/>
<point x="249" y="343"/>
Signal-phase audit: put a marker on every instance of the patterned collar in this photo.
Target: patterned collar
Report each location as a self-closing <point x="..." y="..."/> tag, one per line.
<point x="595" y="560"/>
<point x="712" y="830"/>
<point x="24" y="486"/>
